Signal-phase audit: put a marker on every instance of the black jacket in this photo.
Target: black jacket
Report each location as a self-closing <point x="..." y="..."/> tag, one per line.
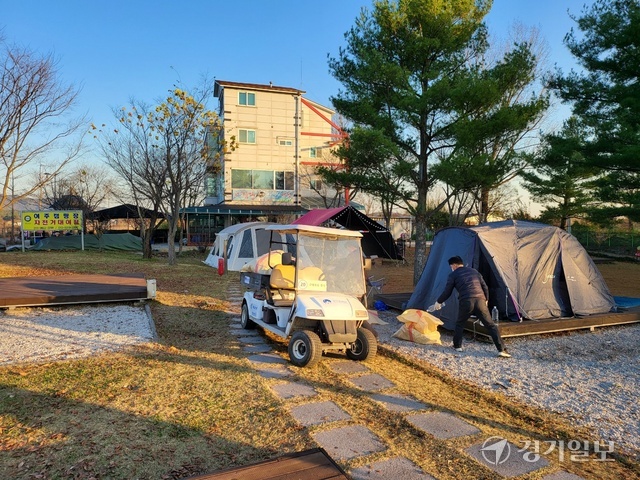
<point x="468" y="282"/>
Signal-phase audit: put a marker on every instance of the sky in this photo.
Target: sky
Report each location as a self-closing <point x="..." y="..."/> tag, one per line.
<point x="141" y="48"/>
<point x="122" y="49"/>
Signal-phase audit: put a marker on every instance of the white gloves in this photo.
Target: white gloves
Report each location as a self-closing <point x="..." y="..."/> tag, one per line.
<point x="435" y="306"/>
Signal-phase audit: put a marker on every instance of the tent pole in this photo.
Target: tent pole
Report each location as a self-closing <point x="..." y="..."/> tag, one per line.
<point x="506" y="302"/>
<point x="515" y="304"/>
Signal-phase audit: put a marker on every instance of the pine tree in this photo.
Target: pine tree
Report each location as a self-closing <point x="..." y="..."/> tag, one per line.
<point x="606" y="99"/>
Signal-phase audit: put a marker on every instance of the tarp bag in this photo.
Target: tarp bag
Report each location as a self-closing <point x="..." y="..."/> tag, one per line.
<point x="419" y="327"/>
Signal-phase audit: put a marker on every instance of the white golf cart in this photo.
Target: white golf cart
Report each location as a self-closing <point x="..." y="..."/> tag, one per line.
<point x="313" y="294"/>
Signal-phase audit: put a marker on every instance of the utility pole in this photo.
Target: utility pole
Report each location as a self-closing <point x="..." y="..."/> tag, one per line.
<point x="55" y="193"/>
<point x="13" y="222"/>
<point x="40" y="189"/>
<point x="296" y="127"/>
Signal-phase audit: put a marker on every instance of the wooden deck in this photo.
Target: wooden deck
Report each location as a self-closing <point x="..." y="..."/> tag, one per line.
<point x="72" y="289"/>
<point x="553" y="325"/>
<point x="312" y="464"/>
<point x="399" y="301"/>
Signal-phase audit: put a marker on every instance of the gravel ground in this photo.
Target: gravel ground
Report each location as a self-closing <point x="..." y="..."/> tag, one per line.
<point x="592" y="378"/>
<point x="62" y="333"/>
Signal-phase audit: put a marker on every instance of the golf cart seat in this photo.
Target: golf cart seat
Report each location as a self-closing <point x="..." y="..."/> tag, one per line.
<point x="282" y="284"/>
<point x="282" y="276"/>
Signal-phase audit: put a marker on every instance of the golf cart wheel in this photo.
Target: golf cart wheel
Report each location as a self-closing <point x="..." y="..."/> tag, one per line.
<point x="365" y="346"/>
<point x="305" y="348"/>
<point x="245" y="321"/>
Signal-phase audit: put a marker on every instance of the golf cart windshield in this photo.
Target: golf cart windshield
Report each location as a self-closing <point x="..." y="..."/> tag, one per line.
<point x="335" y="261"/>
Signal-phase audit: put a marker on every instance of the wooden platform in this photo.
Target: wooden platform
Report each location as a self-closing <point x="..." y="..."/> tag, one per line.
<point x="71" y="289"/>
<point x="312" y="464"/>
<point x="552" y="325"/>
<point x="399" y="301"/>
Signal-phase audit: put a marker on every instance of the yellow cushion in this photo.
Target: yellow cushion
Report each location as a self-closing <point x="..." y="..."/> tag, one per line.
<point x="282" y="276"/>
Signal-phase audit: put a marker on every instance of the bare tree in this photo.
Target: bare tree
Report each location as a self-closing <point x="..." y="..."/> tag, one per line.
<point x="460" y="204"/>
<point x="134" y="160"/>
<point x="34" y="128"/>
<point x="162" y="155"/>
<point x="86" y="189"/>
<point x="502" y="152"/>
<point x="330" y="195"/>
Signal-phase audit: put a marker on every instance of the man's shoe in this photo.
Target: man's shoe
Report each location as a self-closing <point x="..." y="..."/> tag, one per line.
<point x="457" y="349"/>
<point x="504" y="354"/>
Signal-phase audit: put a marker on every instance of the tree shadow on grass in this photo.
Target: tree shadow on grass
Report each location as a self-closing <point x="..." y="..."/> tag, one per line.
<point x="185" y="406"/>
<point x="56" y="437"/>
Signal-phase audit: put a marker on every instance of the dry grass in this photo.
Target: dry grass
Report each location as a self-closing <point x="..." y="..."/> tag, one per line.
<point x="192" y="403"/>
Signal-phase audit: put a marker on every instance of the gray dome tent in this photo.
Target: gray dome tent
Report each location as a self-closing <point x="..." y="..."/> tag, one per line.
<point x="533" y="271"/>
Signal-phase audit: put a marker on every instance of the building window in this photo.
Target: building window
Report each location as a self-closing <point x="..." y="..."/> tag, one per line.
<point x="221" y="105"/>
<point x="211" y="186"/>
<point x="262" y="179"/>
<point x="246" y="136"/>
<point x="284" y="181"/>
<point x="285" y="142"/>
<point x="315" y="184"/>
<point x="247" y="98"/>
<point x="313" y="152"/>
<point x="240" y="178"/>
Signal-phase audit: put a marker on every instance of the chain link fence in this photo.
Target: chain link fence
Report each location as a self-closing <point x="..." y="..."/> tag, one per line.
<point x="614" y="243"/>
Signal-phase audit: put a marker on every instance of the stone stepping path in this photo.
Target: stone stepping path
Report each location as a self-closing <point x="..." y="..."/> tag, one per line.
<point x="264" y="348"/>
<point x="398" y="468"/>
<point x="253" y="340"/>
<point x="395" y="402"/>
<point x="499" y="456"/>
<point x="270" y="365"/>
<point x="240" y="332"/>
<point x="562" y="475"/>
<point x="317" y="413"/>
<point x="442" y="425"/>
<point x="344" y="443"/>
<point x="267" y="358"/>
<point x="290" y="390"/>
<point x="372" y="382"/>
<point x="274" y="372"/>
<point x="348" y="367"/>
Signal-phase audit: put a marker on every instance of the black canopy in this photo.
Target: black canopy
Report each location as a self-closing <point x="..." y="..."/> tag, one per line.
<point x="376" y="239"/>
<point x="126" y="210"/>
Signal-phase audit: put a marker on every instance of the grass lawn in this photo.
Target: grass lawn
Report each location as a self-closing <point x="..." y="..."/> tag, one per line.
<point x="191" y="403"/>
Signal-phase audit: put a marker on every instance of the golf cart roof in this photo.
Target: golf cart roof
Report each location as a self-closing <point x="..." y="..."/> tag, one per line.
<point x="314" y="230"/>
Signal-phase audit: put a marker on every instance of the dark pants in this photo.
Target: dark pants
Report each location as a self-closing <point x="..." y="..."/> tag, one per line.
<point x="478" y="307"/>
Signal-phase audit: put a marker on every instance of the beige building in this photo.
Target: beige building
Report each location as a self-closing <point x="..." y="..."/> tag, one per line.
<point x="280" y="136"/>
